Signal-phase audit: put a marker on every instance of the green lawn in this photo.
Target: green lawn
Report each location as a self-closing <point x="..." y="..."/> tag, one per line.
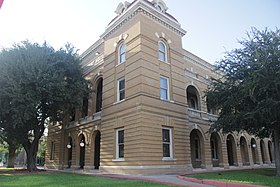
<point x="265" y="177"/>
<point x="65" y="179"/>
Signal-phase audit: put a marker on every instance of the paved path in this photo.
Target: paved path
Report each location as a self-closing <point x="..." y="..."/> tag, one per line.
<point x="166" y="179"/>
<point x="173" y="179"/>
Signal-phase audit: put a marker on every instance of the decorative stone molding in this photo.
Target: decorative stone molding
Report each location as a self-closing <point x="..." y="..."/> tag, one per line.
<point x="160" y="5"/>
<point x="122" y="7"/>
<point x="141" y="7"/>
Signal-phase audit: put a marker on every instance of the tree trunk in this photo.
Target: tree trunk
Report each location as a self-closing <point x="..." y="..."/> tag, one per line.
<point x="31" y="152"/>
<point x="11" y="158"/>
<point x="276" y="138"/>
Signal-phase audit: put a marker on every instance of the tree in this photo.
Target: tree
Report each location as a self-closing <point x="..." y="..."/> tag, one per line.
<point x="37" y="83"/>
<point x="248" y="94"/>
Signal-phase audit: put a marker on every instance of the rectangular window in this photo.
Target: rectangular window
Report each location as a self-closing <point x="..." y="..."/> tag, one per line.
<point x="52" y="151"/>
<point x="164" y="88"/>
<point x="121" y="90"/>
<point x="214" y="149"/>
<point x="120" y="143"/>
<point x="167" y="142"/>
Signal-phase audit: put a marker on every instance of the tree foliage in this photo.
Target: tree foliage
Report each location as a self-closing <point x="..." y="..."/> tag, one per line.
<point x="248" y="94"/>
<point x="37" y="83"/>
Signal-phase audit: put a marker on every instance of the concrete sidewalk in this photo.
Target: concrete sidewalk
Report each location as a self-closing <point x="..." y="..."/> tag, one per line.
<point x="173" y="179"/>
<point x="165" y="179"/>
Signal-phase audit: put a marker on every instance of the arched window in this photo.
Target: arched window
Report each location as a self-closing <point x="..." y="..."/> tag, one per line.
<point x="162" y="55"/>
<point x="193" y="98"/>
<point x="122" y="49"/>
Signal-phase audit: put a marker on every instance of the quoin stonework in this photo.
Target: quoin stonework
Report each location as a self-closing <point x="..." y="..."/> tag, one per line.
<point x="147" y="113"/>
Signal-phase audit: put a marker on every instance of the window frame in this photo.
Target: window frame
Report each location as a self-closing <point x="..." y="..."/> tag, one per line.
<point x="52" y="150"/>
<point x="118" y="144"/>
<point x="214" y="150"/>
<point x="119" y="91"/>
<point x="162" y="52"/>
<point x="170" y="143"/>
<point x="121" y="53"/>
<point x="167" y="89"/>
<point x="197" y="148"/>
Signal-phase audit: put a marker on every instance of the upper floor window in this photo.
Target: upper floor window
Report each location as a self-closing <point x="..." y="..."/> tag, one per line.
<point x="122" y="51"/>
<point x="162" y="55"/>
<point x="164" y="88"/>
<point x="193" y="98"/>
<point x="121" y="90"/>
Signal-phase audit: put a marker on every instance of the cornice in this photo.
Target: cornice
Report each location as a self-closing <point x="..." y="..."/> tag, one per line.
<point x="142" y="7"/>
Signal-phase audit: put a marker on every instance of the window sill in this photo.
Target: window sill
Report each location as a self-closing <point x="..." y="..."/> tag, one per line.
<point x="118" y="160"/>
<point x="167" y="100"/>
<point x="118" y="101"/>
<point x="164" y="61"/>
<point x="168" y="159"/>
<point x="119" y="64"/>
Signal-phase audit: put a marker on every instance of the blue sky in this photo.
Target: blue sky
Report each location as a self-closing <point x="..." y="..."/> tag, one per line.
<point x="212" y="26"/>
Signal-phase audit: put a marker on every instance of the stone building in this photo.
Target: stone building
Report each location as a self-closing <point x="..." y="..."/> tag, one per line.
<point x="147" y="113"/>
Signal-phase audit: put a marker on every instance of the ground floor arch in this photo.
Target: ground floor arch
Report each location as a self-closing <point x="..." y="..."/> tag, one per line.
<point x="231" y="150"/>
<point x="82" y="147"/>
<point x="96" y="147"/>
<point x="262" y="145"/>
<point x="216" y="149"/>
<point x="270" y="151"/>
<point x="69" y="147"/>
<point x="244" y="151"/>
<point x="197" y="150"/>
<point x="254" y="149"/>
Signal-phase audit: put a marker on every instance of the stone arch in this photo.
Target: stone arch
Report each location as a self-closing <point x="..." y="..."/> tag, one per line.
<point x="254" y="149"/>
<point x="263" y="152"/>
<point x="82" y="145"/>
<point x="244" y="151"/>
<point x="197" y="149"/>
<point x="231" y="150"/>
<point x="216" y="149"/>
<point x="193" y="97"/>
<point x="270" y="151"/>
<point x="96" y="139"/>
<point x="69" y="147"/>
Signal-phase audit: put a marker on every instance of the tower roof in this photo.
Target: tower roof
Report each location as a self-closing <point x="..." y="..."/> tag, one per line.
<point x="156" y="9"/>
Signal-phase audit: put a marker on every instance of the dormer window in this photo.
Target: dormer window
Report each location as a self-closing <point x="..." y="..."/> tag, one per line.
<point x="162" y="55"/>
<point x="121" y="52"/>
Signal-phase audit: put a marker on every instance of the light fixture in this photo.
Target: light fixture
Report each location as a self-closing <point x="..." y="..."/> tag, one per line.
<point x="82" y="144"/>
<point x="69" y="146"/>
<point x="97" y="53"/>
<point x="254" y="145"/>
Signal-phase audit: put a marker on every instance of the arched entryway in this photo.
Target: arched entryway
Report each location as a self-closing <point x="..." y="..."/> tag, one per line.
<point x="69" y="152"/>
<point x="96" y="138"/>
<point x="244" y="151"/>
<point x="197" y="151"/>
<point x="254" y="149"/>
<point x="271" y="152"/>
<point x="231" y="151"/>
<point x="82" y="146"/>
<point x="99" y="89"/>
<point x="263" y="151"/>
<point x="216" y="151"/>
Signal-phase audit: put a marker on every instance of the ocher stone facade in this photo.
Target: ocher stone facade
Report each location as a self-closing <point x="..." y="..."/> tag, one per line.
<point x="163" y="117"/>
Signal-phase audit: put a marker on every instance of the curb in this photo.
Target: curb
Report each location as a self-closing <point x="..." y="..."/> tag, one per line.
<point x="216" y="182"/>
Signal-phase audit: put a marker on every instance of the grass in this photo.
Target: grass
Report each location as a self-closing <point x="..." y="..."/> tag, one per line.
<point x="65" y="179"/>
<point x="265" y="177"/>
